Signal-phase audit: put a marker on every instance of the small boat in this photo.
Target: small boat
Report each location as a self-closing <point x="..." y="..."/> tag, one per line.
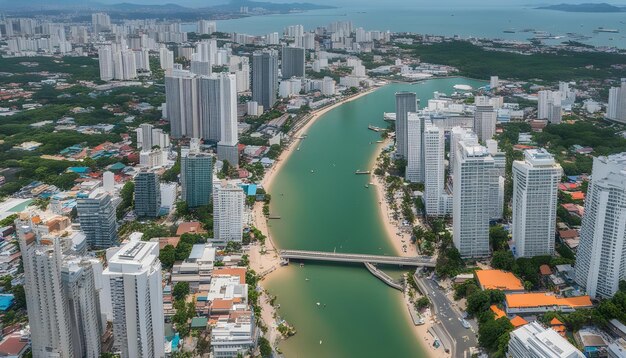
<point x="301" y="264"/>
<point x="298" y="148"/>
<point x="362" y="172"/>
<point x="306" y="279"/>
<point x="312" y="171"/>
<point x="367" y="186"/>
<point x="318" y="303"/>
<point x="320" y="341"/>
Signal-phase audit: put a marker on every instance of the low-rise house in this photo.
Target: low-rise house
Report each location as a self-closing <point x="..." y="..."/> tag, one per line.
<point x="499" y="280"/>
<point x="542" y="302"/>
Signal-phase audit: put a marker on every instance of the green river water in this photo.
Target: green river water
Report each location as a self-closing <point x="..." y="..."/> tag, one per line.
<point x="331" y="209"/>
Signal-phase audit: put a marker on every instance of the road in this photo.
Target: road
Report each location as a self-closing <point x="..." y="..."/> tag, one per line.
<point x="450" y="318"/>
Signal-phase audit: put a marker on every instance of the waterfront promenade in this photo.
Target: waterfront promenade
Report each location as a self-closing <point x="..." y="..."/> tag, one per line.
<point x="421" y="261"/>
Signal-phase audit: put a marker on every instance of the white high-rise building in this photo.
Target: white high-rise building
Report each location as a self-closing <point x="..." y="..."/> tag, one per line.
<point x="485" y="122"/>
<point x="228" y="207"/>
<point x="536" y="341"/>
<point x="134" y="275"/>
<point x="206" y="27"/>
<point x="166" y="58"/>
<point x="181" y="96"/>
<point x="414" y="155"/>
<point x="227" y="148"/>
<point x="434" y="169"/>
<point x="601" y="255"/>
<point x="549" y="106"/>
<point x="144" y="136"/>
<point x="108" y="182"/>
<point x="61" y="298"/>
<point x="616" y="109"/>
<point x="474" y="173"/>
<point x="456" y="135"/>
<point x="535" y="196"/>
<point x="494" y="82"/>
<point x="100" y="22"/>
<point x="105" y="60"/>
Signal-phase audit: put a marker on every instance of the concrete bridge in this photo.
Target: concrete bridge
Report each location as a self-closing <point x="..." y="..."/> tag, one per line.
<point x="422" y="261"/>
<point x="384" y="277"/>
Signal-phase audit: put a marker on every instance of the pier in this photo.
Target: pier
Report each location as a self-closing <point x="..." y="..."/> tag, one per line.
<point x="422" y="261"/>
<point x="384" y="277"/>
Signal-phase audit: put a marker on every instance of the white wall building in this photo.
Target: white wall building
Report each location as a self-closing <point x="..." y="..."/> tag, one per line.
<point x="474" y="173"/>
<point x="228" y="207"/>
<point x="485" y="118"/>
<point x="434" y="169"/>
<point x="535" y="341"/>
<point x="134" y="275"/>
<point x="535" y="189"/>
<point x="601" y="255"/>
<point x="414" y="154"/>
<point x="616" y="109"/>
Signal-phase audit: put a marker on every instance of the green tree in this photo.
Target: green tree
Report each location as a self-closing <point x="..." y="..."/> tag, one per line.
<point x="498" y="237"/>
<point x="422" y="303"/>
<point x="127" y="195"/>
<point x="167" y="256"/>
<point x="181" y="290"/>
<point x="503" y="260"/>
<point x="265" y="348"/>
<point x="19" y="296"/>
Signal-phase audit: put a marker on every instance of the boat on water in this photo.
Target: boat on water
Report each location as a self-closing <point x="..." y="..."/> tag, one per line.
<point x="509" y="31"/>
<point x="362" y="172"/>
<point x="312" y="171"/>
<point x="367" y="186"/>
<point x="374" y="128"/>
<point x="602" y="29"/>
<point x="298" y="148"/>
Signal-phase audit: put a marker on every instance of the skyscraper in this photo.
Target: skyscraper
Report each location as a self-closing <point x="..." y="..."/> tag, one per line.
<point x="181" y="96"/>
<point x="485" y="122"/>
<point x="405" y="102"/>
<point x="61" y="299"/>
<point x="265" y="78"/>
<point x="549" y="106"/>
<point x="100" y="22"/>
<point x="196" y="176"/>
<point x="434" y="169"/>
<point x="414" y="155"/>
<point x="616" y="109"/>
<point x="206" y="27"/>
<point x="146" y="136"/>
<point x="601" y="256"/>
<point x="228" y="204"/>
<point x="292" y="62"/>
<point x="147" y="194"/>
<point x="96" y="213"/>
<point x="134" y="275"/>
<point x="166" y="58"/>
<point x="105" y="61"/>
<point x="473" y="179"/>
<point x="535" y="189"/>
<point x="456" y="135"/>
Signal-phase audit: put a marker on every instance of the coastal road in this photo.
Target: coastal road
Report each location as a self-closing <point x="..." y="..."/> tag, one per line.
<point x="450" y="319"/>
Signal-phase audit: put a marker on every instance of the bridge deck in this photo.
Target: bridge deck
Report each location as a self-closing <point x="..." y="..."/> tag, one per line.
<point x="361" y="258"/>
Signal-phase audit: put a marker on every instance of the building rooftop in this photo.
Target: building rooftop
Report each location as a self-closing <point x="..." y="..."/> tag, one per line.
<point x="192" y="227"/>
<point x="518" y="321"/>
<point x="498" y="280"/>
<point x="542" y="299"/>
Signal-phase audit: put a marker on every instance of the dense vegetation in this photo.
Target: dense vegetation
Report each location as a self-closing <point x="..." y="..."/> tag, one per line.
<point x="473" y="61"/>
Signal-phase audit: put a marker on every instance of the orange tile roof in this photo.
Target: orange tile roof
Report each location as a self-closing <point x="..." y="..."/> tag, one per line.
<point x="541" y="299"/>
<point x="498" y="280"/>
<point x="498" y="312"/>
<point x="234" y="271"/>
<point x="577" y="195"/>
<point x="555" y="321"/>
<point x="219" y="304"/>
<point x="518" y="321"/>
<point x="172" y="240"/>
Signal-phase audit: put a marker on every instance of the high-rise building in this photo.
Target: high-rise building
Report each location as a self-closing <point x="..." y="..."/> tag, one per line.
<point x="196" y="177"/>
<point x="414" y="155"/>
<point x="206" y="27"/>
<point x="134" y="276"/>
<point x="405" y="102"/>
<point x="601" y="255"/>
<point x="434" y="169"/>
<point x="456" y="135"/>
<point x="616" y="109"/>
<point x="549" y="106"/>
<point x="183" y="109"/>
<point x="96" y="213"/>
<point x="100" y="22"/>
<point x="292" y="62"/>
<point x="228" y="205"/>
<point x="494" y="82"/>
<point x="166" y="58"/>
<point x="535" y="189"/>
<point x="534" y="340"/>
<point x="147" y="194"/>
<point x="146" y="136"/>
<point x="474" y="172"/>
<point x="485" y="122"/>
<point x="105" y="61"/>
<point x="265" y="78"/>
<point x="61" y="299"/>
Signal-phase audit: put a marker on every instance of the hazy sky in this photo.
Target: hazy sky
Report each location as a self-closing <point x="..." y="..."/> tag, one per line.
<point x="378" y="3"/>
